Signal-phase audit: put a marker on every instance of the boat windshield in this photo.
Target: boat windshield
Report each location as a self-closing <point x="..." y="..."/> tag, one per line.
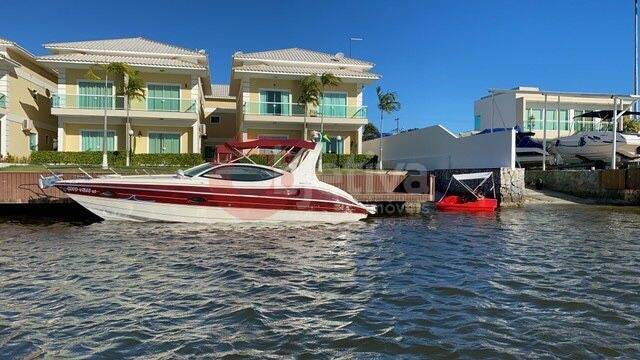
<point x="191" y="172"/>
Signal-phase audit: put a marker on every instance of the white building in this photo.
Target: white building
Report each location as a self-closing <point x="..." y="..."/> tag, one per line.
<point x="524" y="106"/>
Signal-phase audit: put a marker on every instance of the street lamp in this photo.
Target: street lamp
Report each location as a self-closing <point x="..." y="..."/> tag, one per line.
<point x="129" y="150"/>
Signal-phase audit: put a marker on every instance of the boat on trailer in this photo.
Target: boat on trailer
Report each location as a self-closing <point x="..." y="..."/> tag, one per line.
<point x="474" y="201"/>
<point x="236" y="191"/>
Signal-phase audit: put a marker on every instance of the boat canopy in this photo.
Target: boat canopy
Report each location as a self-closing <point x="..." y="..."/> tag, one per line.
<point x="473" y="176"/>
<point x="270" y="144"/>
<point x="606" y="114"/>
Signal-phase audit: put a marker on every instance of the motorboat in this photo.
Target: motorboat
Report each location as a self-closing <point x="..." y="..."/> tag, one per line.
<point x="235" y="191"/>
<point x="474" y="200"/>
<point x="597" y="146"/>
<point x="528" y="150"/>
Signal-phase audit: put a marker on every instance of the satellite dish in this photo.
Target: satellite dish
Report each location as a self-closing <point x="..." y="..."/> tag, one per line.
<point x="338" y="56"/>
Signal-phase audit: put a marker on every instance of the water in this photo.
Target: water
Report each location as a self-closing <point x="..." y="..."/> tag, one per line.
<point x="536" y="282"/>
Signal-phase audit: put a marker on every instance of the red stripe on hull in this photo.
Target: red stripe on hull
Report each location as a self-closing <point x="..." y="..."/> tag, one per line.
<point x="272" y="199"/>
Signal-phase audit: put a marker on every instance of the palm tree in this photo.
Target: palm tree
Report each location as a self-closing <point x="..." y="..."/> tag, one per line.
<point x="309" y="95"/>
<point x="387" y="103"/>
<point x="118" y="71"/>
<point x="133" y="90"/>
<point x="326" y="80"/>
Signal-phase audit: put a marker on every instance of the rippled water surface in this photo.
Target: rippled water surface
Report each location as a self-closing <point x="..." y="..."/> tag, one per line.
<point x="534" y="282"/>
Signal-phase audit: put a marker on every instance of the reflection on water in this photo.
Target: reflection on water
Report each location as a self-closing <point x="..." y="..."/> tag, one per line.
<point x="540" y="281"/>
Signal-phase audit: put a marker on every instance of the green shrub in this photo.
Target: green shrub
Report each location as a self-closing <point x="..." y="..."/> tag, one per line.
<point x="115" y="158"/>
<point x="353" y="161"/>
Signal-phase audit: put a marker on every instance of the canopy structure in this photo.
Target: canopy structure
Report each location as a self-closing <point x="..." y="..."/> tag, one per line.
<point x="606" y="114"/>
<point x="270" y="144"/>
<point x="461" y="178"/>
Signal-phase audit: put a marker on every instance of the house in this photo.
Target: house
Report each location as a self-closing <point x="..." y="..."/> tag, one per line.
<point x="168" y="119"/>
<point x="266" y="86"/>
<point x="524" y="107"/>
<point x="220" y="118"/>
<point x="26" y="123"/>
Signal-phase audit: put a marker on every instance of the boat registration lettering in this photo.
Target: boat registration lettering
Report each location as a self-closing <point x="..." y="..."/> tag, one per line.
<point x="81" y="190"/>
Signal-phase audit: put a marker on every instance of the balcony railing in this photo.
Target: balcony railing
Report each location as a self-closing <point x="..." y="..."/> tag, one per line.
<point x="100" y="102"/>
<point x="3" y="101"/>
<point x="296" y="109"/>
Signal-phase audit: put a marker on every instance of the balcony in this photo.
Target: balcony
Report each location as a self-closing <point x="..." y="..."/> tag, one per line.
<point x="294" y="113"/>
<point x="116" y="105"/>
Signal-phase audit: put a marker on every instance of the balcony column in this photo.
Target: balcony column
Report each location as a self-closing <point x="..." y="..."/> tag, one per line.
<point x="3" y="134"/>
<point x="360" y="131"/>
<point x="196" y="137"/>
<point x="60" y="134"/>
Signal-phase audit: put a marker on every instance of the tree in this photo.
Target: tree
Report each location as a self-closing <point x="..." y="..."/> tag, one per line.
<point x="632" y="126"/>
<point x="134" y="89"/>
<point x="118" y="71"/>
<point x="387" y="103"/>
<point x="326" y="80"/>
<point x="370" y="132"/>
<point x="309" y="95"/>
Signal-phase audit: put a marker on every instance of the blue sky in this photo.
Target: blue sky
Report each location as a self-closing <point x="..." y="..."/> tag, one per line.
<point x="439" y="56"/>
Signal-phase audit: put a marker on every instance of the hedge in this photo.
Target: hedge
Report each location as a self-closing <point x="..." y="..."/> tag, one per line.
<point x="116" y="158"/>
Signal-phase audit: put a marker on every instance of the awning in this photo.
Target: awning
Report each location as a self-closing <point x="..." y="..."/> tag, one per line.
<point x="472" y="176"/>
<point x="606" y="114"/>
<point x="271" y="144"/>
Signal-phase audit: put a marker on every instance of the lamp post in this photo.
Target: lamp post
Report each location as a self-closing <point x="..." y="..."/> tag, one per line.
<point x="129" y="149"/>
<point x="105" y="161"/>
<point x="352" y="39"/>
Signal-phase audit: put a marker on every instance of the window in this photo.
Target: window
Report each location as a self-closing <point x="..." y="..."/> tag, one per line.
<point x="274" y="102"/>
<point x="333" y="104"/>
<point x="477" y="123"/>
<point x="95" y="95"/>
<point x="334" y="146"/>
<point x="164" y="143"/>
<point x="534" y="119"/>
<point x="91" y="140"/>
<point x="33" y="142"/>
<point x="163" y="97"/>
<point x="582" y="123"/>
<point x="215" y="119"/>
<point x="241" y="173"/>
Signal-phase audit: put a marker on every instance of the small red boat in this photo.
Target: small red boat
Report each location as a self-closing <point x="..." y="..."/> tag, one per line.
<point x="458" y="203"/>
<point x="474" y="203"/>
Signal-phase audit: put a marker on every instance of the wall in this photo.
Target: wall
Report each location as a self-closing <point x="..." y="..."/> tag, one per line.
<point x="605" y="186"/>
<point x="503" y="114"/>
<point x="435" y="147"/>
<point x="72" y="135"/>
<point x="255" y="84"/>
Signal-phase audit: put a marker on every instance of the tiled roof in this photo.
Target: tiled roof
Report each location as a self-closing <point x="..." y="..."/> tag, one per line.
<point x="6" y="42"/>
<point x="220" y="90"/>
<point x="131" y="60"/>
<point x="298" y="70"/>
<point x="300" y="55"/>
<point x="136" y="45"/>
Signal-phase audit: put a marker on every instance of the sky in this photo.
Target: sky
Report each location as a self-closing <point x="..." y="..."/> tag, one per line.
<point x="438" y="56"/>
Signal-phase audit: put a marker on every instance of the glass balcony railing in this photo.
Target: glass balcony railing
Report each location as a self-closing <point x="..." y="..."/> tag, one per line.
<point x="3" y="101"/>
<point x="296" y="109"/>
<point x="100" y="102"/>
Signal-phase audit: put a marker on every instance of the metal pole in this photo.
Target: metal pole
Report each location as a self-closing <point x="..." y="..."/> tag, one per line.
<point x="380" y="143"/>
<point x="558" y="115"/>
<point x="105" y="161"/>
<point x="635" y="52"/>
<point x="544" y="135"/>
<point x="397" y="125"/>
<point x="615" y="128"/>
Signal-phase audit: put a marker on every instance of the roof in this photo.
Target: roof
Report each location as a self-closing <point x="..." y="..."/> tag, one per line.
<point x="138" y="45"/>
<point x="132" y="60"/>
<point x="6" y="42"/>
<point x="305" y="71"/>
<point x="534" y="90"/>
<point x="220" y="90"/>
<point x="301" y="55"/>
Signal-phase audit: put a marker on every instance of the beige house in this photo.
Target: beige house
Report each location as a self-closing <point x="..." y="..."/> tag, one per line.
<point x="167" y="121"/>
<point x="220" y="118"/>
<point x="266" y="86"/>
<point x="26" y="123"/>
<point x="524" y="107"/>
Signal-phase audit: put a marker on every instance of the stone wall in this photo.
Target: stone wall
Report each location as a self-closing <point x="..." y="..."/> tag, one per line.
<point x="606" y="186"/>
<point x="509" y="184"/>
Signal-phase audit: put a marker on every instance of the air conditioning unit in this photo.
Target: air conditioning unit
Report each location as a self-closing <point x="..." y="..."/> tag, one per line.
<point x="203" y="130"/>
<point x="27" y="125"/>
